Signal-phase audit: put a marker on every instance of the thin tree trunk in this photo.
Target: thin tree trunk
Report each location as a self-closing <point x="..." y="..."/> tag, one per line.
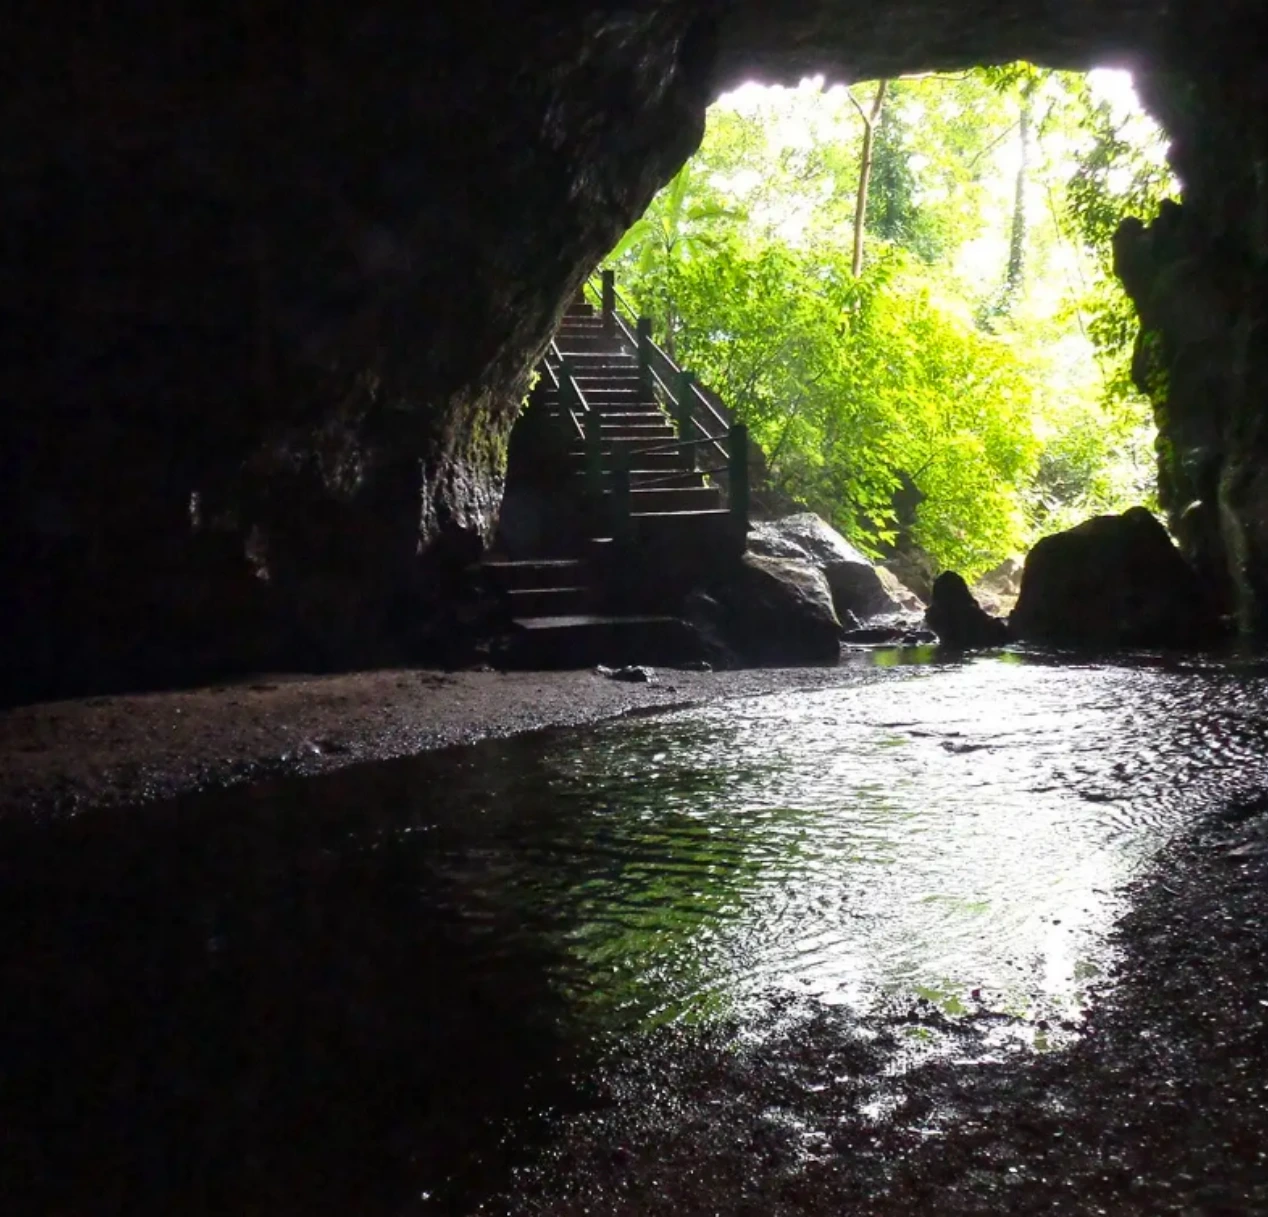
<point x="865" y="169"/>
<point x="1017" y="243"/>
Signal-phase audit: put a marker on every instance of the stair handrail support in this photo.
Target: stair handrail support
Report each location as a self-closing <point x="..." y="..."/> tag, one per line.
<point x="668" y="372"/>
<point x="686" y="402"/>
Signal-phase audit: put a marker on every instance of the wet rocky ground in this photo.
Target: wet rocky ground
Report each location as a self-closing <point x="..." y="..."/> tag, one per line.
<point x="64" y="757"/>
<point x="1158" y="1103"/>
<point x="339" y="996"/>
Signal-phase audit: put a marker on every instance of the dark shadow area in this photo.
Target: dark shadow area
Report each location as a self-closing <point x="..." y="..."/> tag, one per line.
<point x="274" y="1001"/>
<point x="542" y="968"/>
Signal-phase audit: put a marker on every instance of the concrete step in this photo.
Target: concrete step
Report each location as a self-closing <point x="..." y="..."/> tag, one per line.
<point x="652" y="462"/>
<point x="583" y="641"/>
<point x="621" y="407"/>
<point x="520" y="575"/>
<point x="608" y="391"/>
<point x="602" y="363"/>
<point x="688" y="527"/>
<point x="664" y="479"/>
<point x="587" y="342"/>
<point x="674" y="499"/>
<point x="635" y="419"/>
<point x="636" y="426"/>
<point x="550" y="601"/>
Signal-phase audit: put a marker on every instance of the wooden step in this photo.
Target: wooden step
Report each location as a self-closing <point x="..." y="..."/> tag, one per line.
<point x="522" y="575"/>
<point x="549" y="601"/>
<point x="584" y="641"/>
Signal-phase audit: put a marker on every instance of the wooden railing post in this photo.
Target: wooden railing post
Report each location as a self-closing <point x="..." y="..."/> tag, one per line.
<point x="684" y="389"/>
<point x="609" y="302"/>
<point x="594" y="455"/>
<point x="566" y="386"/>
<point x="737" y="480"/>
<point x="645" y="358"/>
<point x="622" y="500"/>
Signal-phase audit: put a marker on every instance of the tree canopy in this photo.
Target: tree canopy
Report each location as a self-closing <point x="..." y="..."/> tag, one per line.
<point x="906" y="291"/>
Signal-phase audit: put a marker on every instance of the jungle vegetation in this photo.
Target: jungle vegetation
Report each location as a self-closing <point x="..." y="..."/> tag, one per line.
<point x="906" y="289"/>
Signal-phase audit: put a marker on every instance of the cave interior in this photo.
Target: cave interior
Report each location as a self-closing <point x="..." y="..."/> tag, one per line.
<point x="276" y="277"/>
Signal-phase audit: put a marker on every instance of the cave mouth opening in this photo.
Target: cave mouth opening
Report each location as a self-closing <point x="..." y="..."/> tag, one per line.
<point x="906" y="289"/>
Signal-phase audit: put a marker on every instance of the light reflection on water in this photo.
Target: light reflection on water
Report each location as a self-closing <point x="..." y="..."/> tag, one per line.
<point x="927" y="832"/>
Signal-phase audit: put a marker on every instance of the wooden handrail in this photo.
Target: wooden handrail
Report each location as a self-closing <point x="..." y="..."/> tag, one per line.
<point x="700" y="399"/>
<point x="657" y="369"/>
<point x="574" y="389"/>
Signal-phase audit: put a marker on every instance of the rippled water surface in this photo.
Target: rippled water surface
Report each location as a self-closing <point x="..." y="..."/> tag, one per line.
<point x="308" y="992"/>
<point x="935" y="831"/>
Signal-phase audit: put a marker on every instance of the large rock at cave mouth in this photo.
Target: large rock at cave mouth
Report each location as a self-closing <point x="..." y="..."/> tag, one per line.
<point x="855" y="584"/>
<point x="1113" y="581"/>
<point x="957" y="618"/>
<point x="779" y="611"/>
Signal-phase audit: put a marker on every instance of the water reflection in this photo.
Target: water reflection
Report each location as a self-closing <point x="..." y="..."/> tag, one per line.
<point x="335" y="995"/>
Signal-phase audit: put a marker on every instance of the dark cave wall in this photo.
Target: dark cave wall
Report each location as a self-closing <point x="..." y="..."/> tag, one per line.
<point x="272" y="282"/>
<point x="1199" y="277"/>
<point x="294" y="261"/>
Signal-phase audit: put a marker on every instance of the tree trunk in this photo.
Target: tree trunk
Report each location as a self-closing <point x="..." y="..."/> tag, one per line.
<point x="1017" y="243"/>
<point x="865" y="170"/>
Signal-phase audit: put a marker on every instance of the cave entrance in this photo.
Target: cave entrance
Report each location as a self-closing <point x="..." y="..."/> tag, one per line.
<point x="906" y="290"/>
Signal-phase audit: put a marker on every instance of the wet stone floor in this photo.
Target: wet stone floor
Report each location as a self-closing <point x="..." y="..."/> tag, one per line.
<point x="957" y="937"/>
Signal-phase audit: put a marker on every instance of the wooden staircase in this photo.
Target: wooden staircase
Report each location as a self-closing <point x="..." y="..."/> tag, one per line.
<point x="620" y="481"/>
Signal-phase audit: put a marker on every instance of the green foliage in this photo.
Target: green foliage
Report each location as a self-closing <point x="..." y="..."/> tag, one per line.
<point x="853" y="386"/>
<point x="848" y="384"/>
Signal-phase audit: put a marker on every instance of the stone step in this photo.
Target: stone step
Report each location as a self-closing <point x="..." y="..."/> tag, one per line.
<point x="549" y="601"/>
<point x="534" y="574"/>
<point x="584" y="641"/>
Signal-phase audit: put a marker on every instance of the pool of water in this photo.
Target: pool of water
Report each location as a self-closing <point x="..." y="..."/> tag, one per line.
<point x="376" y="988"/>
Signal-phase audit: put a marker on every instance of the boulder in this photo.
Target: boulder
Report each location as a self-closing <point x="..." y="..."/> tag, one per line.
<point x="915" y="570"/>
<point x="1113" y="581"/>
<point x="856" y="585"/>
<point x="779" y="610"/>
<point x="958" y="619"/>
<point x="888" y="636"/>
<point x="900" y="593"/>
<point x="997" y="590"/>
